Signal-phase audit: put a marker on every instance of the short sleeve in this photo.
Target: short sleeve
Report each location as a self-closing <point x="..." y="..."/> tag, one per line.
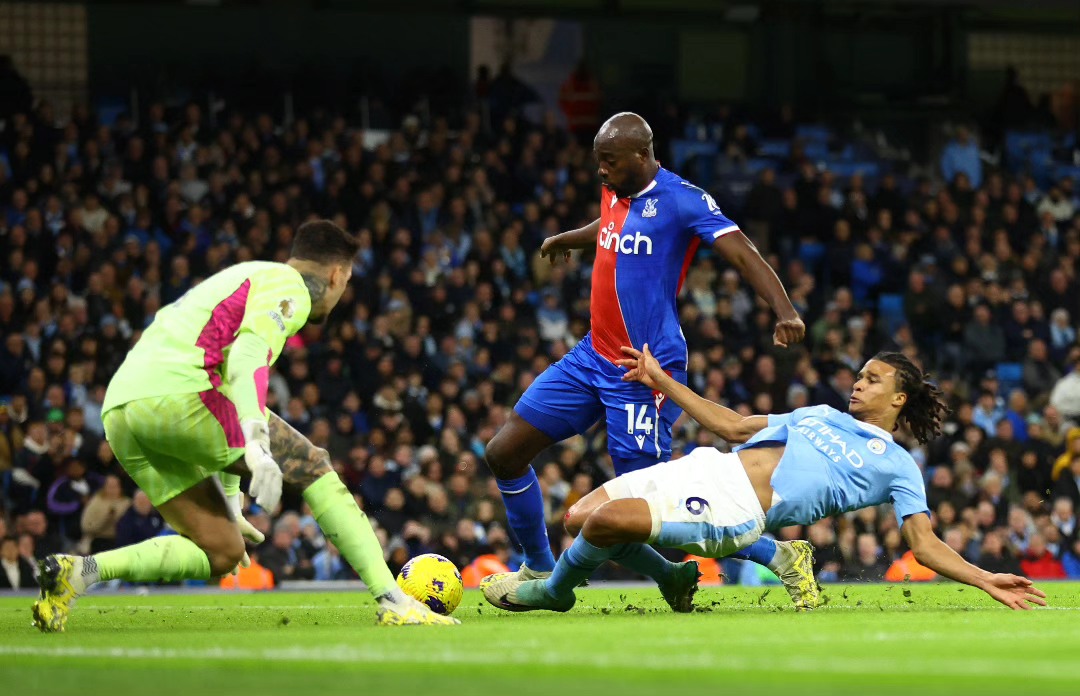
<point x="776" y="419"/>
<point x="797" y="415"/>
<point x="702" y="216"/>
<point x="907" y="492"/>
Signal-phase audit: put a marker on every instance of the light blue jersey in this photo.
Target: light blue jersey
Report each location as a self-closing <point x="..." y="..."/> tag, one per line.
<point x="833" y="464"/>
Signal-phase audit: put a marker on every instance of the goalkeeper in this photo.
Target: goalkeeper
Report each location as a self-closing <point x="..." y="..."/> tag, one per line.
<point x="186" y="413"/>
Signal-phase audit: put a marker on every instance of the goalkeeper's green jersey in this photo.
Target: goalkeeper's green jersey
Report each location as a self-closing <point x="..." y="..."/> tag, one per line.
<point x="219" y="340"/>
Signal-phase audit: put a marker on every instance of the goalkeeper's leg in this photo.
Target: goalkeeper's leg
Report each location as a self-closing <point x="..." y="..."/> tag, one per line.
<point x="210" y="545"/>
<point x="308" y="467"/>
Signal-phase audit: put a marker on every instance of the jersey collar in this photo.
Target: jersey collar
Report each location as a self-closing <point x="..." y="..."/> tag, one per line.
<point x="870" y="427"/>
<point x="642" y="192"/>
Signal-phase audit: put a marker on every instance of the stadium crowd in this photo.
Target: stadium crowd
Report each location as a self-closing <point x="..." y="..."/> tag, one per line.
<point x="452" y="313"/>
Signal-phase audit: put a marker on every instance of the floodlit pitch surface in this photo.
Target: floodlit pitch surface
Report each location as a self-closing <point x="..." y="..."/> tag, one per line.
<point x="868" y="640"/>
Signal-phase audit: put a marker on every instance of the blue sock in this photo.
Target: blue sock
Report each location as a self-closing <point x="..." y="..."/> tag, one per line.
<point x="525" y="513"/>
<point x="760" y="552"/>
<point x="577" y="563"/>
<point x="644" y="559"/>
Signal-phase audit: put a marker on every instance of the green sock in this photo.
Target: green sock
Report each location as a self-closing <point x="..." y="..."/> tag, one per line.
<point x="346" y="525"/>
<point x="167" y="558"/>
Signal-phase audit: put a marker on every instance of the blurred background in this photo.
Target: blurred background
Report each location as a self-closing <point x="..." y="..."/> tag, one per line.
<point x="908" y="167"/>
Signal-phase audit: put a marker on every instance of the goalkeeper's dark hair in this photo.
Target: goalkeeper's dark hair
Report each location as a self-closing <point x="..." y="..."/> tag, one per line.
<point x="325" y="243"/>
<point x="925" y="407"/>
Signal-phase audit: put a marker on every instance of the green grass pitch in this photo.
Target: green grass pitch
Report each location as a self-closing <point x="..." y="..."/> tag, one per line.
<point x="868" y="640"/>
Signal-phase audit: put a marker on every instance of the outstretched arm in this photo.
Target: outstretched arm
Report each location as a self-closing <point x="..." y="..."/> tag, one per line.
<point x="1013" y="591"/>
<point x="562" y="244"/>
<point x="744" y="256"/>
<point x="643" y="367"/>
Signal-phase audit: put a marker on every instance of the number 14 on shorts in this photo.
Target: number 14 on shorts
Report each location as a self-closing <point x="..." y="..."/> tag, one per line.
<point x="637" y="419"/>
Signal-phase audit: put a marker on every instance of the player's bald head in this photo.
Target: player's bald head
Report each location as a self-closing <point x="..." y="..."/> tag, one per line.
<point x="624" y="153"/>
<point x="625" y="130"/>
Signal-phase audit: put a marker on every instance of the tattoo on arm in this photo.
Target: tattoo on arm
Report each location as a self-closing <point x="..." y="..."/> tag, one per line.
<point x="316" y="288"/>
<point x="301" y="462"/>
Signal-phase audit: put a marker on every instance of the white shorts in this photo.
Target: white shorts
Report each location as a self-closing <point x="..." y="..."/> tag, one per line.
<point x="703" y="503"/>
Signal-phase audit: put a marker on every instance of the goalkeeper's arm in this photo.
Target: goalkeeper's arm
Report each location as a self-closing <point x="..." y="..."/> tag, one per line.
<point x="247" y="374"/>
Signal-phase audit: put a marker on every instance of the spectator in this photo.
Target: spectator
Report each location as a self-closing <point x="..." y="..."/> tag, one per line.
<point x="1062" y="334"/>
<point x="102" y="515"/>
<point x="1033" y="475"/>
<point x="763" y="206"/>
<point x="868" y="565"/>
<point x="15" y="572"/>
<point x="328" y="565"/>
<point x="984" y="342"/>
<point x="284" y="556"/>
<point x="580" y="99"/>
<point x="866" y="274"/>
<point x="994" y="557"/>
<point x="1068" y="482"/>
<point x="1070" y="560"/>
<point x="961" y="156"/>
<point x="1040" y="375"/>
<point x="139" y="523"/>
<point x="988" y="412"/>
<point x="36" y="525"/>
<point x="67" y="499"/>
<point x="1038" y="563"/>
<point x="32" y="469"/>
<point x="1063" y="517"/>
<point x="1057" y="206"/>
<point x="956" y="540"/>
<point x="1065" y="396"/>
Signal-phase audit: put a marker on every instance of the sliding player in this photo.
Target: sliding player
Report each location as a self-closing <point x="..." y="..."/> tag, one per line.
<point x="791" y="469"/>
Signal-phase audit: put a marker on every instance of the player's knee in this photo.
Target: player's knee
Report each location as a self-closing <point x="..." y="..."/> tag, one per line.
<point x="225" y="553"/>
<point x="575" y="519"/>
<point x="503" y="457"/>
<point x="604" y="525"/>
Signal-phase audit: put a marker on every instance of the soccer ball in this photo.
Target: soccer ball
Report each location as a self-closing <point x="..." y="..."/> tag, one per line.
<point x="432" y="580"/>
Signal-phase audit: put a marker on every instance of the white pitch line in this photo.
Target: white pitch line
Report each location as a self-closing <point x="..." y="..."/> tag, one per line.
<point x="217" y="607"/>
<point x="722" y="658"/>
<point x="919" y="608"/>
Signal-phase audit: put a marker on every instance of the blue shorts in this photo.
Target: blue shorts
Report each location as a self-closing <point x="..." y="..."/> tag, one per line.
<point x="569" y="397"/>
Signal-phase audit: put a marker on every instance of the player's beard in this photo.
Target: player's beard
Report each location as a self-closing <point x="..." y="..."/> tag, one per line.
<point x="629" y="188"/>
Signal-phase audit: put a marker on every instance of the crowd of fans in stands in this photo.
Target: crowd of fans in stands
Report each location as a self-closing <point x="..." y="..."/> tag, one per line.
<point x="451" y="314"/>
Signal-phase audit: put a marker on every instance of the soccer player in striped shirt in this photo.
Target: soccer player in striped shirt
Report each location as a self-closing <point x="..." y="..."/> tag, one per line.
<point x="652" y="222"/>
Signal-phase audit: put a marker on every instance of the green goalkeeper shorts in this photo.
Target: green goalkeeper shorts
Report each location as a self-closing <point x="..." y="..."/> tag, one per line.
<point x="168" y="444"/>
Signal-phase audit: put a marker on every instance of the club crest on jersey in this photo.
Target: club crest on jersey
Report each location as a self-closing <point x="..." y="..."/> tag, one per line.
<point x="876" y="446"/>
<point x="650" y="208"/>
<point x="286" y="308"/>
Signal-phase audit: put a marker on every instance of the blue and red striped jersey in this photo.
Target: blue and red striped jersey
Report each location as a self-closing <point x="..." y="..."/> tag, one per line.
<point x="643" y="251"/>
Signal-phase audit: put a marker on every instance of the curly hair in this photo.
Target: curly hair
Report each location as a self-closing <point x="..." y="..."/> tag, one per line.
<point x="925" y="407"/>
